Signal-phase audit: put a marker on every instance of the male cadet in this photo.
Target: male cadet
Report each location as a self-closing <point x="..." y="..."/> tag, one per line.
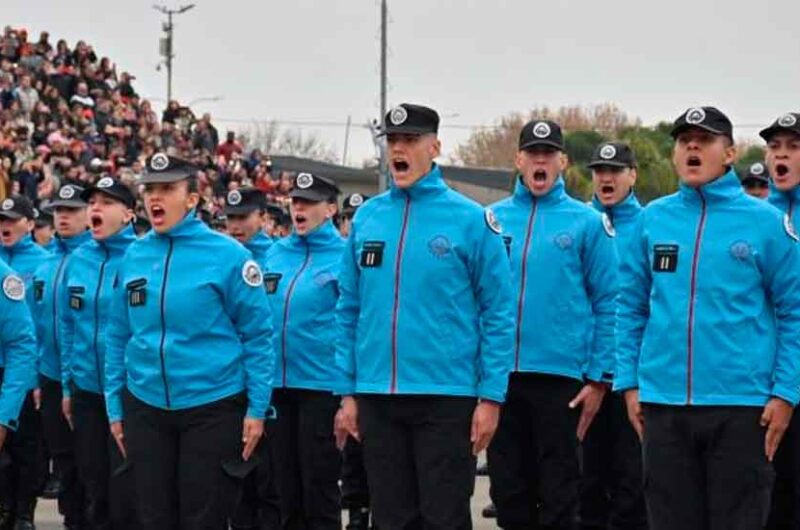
<point x="19" y="487"/>
<point x="611" y="482"/>
<point x="708" y="331"/>
<point x="245" y="213"/>
<point x="426" y="322"/>
<point x="350" y="204"/>
<point x="43" y="229"/>
<point x="756" y="181"/>
<point x="783" y="159"/>
<point x="18" y="353"/>
<point x="563" y="266"/>
<point x="71" y="221"/>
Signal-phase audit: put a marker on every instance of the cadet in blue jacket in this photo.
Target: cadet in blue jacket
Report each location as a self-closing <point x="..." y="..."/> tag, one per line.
<point x="245" y="217"/>
<point x="18" y="351"/>
<point x="69" y="212"/>
<point x="563" y="263"/>
<point x="301" y="279"/>
<point x="611" y="478"/>
<point x="189" y="359"/>
<point x="350" y="204"/>
<point x="425" y="329"/>
<point x="783" y="160"/>
<point x="44" y="229"/>
<point x="86" y="299"/>
<point x="20" y="483"/>
<point x="756" y="181"/>
<point x="708" y="334"/>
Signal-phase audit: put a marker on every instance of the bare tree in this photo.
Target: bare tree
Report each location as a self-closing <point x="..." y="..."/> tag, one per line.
<point x="271" y="139"/>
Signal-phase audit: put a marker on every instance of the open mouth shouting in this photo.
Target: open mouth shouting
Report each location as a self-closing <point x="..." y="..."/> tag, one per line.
<point x="6" y="236"/>
<point x="694" y="161"/>
<point x="300" y="221"/>
<point x="96" y="222"/>
<point x="157" y="215"/>
<point x="400" y="166"/>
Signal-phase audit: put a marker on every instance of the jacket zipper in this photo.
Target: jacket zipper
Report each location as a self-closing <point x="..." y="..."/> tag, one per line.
<point x="289" y="293"/>
<point x="396" y="306"/>
<point x="97" y="318"/>
<point x="523" y="281"/>
<point x="692" y="294"/>
<point x="164" y="322"/>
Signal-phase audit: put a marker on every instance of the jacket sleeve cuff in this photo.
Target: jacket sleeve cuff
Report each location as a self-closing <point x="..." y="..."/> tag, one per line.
<point x="492" y="393"/>
<point x="787" y="394"/>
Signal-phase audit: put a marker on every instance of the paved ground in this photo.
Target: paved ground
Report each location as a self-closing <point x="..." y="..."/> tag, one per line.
<point x="47" y="514"/>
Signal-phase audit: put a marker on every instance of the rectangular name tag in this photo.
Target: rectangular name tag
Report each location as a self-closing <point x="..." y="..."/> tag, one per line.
<point x="271" y="280"/>
<point x="665" y="258"/>
<point x="372" y="254"/>
<point x="76" y="297"/>
<point x="136" y="292"/>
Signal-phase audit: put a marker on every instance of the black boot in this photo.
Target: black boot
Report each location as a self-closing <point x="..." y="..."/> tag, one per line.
<point x="6" y="518"/>
<point x="490" y="512"/>
<point x="359" y="519"/>
<point x="52" y="487"/>
<point x="25" y="513"/>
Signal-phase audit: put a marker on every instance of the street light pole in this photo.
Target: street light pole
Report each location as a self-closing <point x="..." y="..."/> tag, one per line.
<point x="383" y="167"/>
<point x="166" y="43"/>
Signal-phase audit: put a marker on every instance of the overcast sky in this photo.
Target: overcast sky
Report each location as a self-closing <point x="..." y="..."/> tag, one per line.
<point x="473" y="61"/>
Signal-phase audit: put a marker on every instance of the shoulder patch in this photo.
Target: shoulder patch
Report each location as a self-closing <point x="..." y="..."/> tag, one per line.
<point x="491" y="221"/>
<point x="14" y="288"/>
<point x="251" y="274"/>
<point x="789" y="227"/>
<point x="608" y="226"/>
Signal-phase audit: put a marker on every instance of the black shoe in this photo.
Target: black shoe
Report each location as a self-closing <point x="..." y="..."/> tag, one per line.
<point x="6" y="518"/>
<point x="359" y="519"/>
<point x="24" y="524"/>
<point x="52" y="487"/>
<point x="490" y="512"/>
<point x="482" y="470"/>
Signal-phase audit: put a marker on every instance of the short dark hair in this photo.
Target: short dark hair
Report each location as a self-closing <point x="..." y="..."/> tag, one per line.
<point x="192" y="184"/>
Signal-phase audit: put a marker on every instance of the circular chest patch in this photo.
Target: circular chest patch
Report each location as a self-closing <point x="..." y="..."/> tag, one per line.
<point x="741" y="251"/>
<point x="251" y="274"/>
<point x="563" y="241"/>
<point x="440" y="246"/>
<point x="14" y="288"/>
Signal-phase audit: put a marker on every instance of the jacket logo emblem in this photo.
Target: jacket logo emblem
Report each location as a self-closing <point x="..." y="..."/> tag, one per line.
<point x="440" y="246"/>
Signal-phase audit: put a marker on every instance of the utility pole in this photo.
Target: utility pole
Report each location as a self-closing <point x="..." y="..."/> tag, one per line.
<point x="383" y="167"/>
<point x="165" y="44"/>
<point x="346" y="140"/>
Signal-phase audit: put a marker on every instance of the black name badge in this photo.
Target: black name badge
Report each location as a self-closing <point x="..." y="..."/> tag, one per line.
<point x="136" y="292"/>
<point x="507" y="242"/>
<point x="665" y="258"/>
<point x="372" y="254"/>
<point x="271" y="280"/>
<point x="76" y="297"/>
<point x="38" y="290"/>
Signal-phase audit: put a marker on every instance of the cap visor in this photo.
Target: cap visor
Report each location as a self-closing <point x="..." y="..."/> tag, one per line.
<point x="11" y="215"/>
<point x="755" y="178"/>
<point x="239" y="210"/>
<point x="686" y="126"/>
<point x="607" y="163"/>
<point x="399" y="129"/>
<point x="87" y="194"/>
<point x="548" y="143"/>
<point x="772" y="130"/>
<point x="164" y="178"/>
<point x="66" y="203"/>
<point x="309" y="195"/>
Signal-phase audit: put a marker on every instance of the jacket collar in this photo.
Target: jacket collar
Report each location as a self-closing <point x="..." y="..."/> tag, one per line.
<point x="66" y="246"/>
<point x="430" y="184"/>
<point x="189" y="226"/>
<point x="321" y="237"/>
<point x="25" y="244"/>
<point x="784" y="200"/>
<point x="628" y="208"/>
<point x="119" y="242"/>
<point x="554" y="195"/>
<point x="722" y="189"/>
<point x="259" y="243"/>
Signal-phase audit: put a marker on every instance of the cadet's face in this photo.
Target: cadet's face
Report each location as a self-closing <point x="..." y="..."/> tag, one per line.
<point x="783" y="160"/>
<point x="107" y="216"/>
<point x="70" y="222"/>
<point x="540" y="166"/>
<point x="345" y="222"/>
<point x="243" y="227"/>
<point x="411" y="157"/>
<point x="612" y="184"/>
<point x="12" y="230"/>
<point x="701" y="157"/>
<point x="43" y="234"/>
<point x="756" y="188"/>
<point x="308" y="215"/>
<point x="167" y="203"/>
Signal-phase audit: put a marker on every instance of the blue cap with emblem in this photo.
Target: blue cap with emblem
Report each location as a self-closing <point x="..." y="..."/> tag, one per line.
<point x="162" y="168"/>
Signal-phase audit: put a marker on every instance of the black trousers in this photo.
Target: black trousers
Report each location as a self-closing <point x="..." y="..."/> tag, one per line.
<point x="104" y="474"/>
<point x="186" y="464"/>
<point x="612" y="493"/>
<point x="533" y="459"/>
<point x="19" y="462"/>
<point x="419" y="460"/>
<point x="61" y="444"/>
<point x="257" y="506"/>
<point x="705" y="468"/>
<point x="355" y="491"/>
<point x="306" y="460"/>
<point x="785" y="512"/>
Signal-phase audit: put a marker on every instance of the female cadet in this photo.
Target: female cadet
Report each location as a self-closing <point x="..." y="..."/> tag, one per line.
<point x="301" y="285"/>
<point x="89" y="279"/>
<point x="189" y="359"/>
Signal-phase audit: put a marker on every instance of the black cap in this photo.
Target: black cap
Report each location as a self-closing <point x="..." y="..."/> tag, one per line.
<point x="541" y="132"/>
<point x="314" y="188"/>
<point x="42" y="217"/>
<point x="141" y="225"/>
<point x="410" y="119"/>
<point x="612" y="154"/>
<point x="244" y="201"/>
<point x="757" y="171"/>
<point x="789" y="122"/>
<point x="709" y="119"/>
<point x="162" y="168"/>
<point x="112" y="188"/>
<point x="17" y="207"/>
<point x="68" y="196"/>
<point x="352" y="202"/>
